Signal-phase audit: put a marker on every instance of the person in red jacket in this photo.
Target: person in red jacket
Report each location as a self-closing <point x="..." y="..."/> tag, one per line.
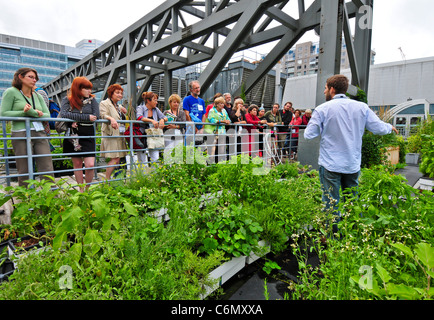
<point x="252" y="118"/>
<point x="294" y="127"/>
<point x="306" y="117"/>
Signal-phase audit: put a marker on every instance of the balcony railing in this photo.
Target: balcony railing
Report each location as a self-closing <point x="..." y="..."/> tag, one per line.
<point x="272" y="145"/>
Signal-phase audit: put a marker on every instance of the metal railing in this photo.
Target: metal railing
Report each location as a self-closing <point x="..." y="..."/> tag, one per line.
<point x="273" y="144"/>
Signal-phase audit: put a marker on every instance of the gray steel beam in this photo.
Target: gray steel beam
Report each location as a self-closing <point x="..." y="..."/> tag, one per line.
<point x="252" y="11"/>
<point x="180" y="33"/>
<point x="362" y="43"/>
<point x="307" y="22"/>
<point x="355" y="75"/>
<point x="329" y="60"/>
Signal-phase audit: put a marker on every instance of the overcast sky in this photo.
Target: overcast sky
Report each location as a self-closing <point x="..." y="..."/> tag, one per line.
<point x="404" y="24"/>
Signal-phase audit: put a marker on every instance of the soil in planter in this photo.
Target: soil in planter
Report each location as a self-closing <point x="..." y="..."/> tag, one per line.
<point x="249" y="283"/>
<point x="29" y="242"/>
<point x="26" y="243"/>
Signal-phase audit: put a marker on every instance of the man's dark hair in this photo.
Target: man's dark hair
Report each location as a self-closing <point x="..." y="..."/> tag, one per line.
<point x="339" y="82"/>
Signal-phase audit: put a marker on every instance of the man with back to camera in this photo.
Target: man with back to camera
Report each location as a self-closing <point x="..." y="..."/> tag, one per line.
<point x="341" y="123"/>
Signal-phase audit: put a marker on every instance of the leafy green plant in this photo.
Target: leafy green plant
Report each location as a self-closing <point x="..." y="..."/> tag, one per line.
<point x="231" y="231"/>
<point x="116" y="249"/>
<point x="34" y="206"/>
<point x="61" y="162"/>
<point x="427" y="155"/>
<point x="360" y="96"/>
<point x="372" y="150"/>
<point x="414" y="141"/>
<point x="287" y="170"/>
<point x="385" y="210"/>
<point x="384" y="283"/>
<point x="269" y="266"/>
<point x="79" y="224"/>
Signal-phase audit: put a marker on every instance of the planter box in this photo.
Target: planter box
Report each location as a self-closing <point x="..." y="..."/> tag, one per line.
<point x="161" y="215"/>
<point x="392" y="154"/>
<point x="7" y="267"/>
<point x="264" y="248"/>
<point x="226" y="271"/>
<point x="3" y="247"/>
<point x="412" y="158"/>
<point x="18" y="251"/>
<point x="425" y="184"/>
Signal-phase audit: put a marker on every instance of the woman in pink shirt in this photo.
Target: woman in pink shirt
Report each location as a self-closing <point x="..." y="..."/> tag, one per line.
<point x="252" y="118"/>
<point x="294" y="127"/>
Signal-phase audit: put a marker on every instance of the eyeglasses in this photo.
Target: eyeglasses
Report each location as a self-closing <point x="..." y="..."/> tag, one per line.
<point x="32" y="77"/>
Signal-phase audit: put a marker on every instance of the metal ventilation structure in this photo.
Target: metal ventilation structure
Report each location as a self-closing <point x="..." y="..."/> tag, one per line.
<point x="182" y="33"/>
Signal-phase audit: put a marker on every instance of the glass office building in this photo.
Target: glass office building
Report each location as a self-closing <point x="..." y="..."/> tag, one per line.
<point x="49" y="59"/>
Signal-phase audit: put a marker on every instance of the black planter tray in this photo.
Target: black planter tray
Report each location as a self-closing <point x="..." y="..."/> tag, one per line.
<point x="15" y="250"/>
<point x="7" y="267"/>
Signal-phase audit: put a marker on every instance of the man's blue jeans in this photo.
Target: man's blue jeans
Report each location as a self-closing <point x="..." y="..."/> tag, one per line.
<point x="331" y="183"/>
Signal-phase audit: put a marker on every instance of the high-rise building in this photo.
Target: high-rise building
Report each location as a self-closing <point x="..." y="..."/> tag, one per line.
<point x="302" y="60"/>
<point x="49" y="59"/>
<point x="89" y="44"/>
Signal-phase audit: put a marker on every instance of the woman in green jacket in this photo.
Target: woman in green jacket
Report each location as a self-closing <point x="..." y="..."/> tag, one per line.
<point x="21" y="101"/>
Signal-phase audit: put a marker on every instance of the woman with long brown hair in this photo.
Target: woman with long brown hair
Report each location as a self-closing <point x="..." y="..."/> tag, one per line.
<point x="21" y="101"/>
<point x="80" y="105"/>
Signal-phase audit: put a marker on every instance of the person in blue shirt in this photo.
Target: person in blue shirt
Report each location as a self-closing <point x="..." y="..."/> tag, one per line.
<point x="193" y="106"/>
<point x="341" y="123"/>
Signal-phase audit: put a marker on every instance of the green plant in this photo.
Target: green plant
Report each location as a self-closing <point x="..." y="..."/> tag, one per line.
<point x="414" y="141"/>
<point x="401" y="143"/>
<point x="266" y="293"/>
<point x="79" y="224"/>
<point x="374" y="148"/>
<point x="231" y="231"/>
<point x="243" y="92"/>
<point x="269" y="266"/>
<point x="61" y="161"/>
<point x="386" y="282"/>
<point x="427" y="155"/>
<point x="114" y="248"/>
<point x="287" y="170"/>
<point x="34" y="206"/>
<point x="360" y="96"/>
<point x="372" y="153"/>
<point x="385" y="210"/>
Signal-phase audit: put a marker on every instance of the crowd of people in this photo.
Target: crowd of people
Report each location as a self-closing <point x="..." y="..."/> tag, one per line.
<point x="80" y="105"/>
<point x="339" y="122"/>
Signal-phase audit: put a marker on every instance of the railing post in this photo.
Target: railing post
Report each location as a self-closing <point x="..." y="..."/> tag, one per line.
<point x="29" y="149"/>
<point x="6" y="153"/>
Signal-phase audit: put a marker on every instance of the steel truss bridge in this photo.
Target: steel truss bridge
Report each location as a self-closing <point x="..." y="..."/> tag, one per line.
<point x="182" y="33"/>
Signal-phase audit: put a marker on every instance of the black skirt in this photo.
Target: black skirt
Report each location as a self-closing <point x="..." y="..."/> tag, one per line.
<point x="87" y="144"/>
